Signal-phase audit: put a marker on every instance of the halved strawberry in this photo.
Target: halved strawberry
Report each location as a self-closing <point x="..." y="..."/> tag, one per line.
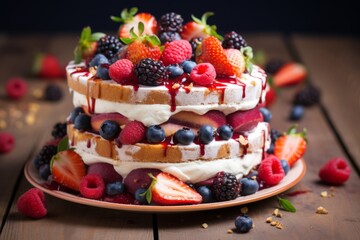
<point x="290" y="74"/>
<point x="212" y="52"/>
<point x="68" y="168"/>
<point x="130" y="20"/>
<point x="236" y="60"/>
<point x="166" y="189"/>
<point x="291" y="146"/>
<point x="199" y="28"/>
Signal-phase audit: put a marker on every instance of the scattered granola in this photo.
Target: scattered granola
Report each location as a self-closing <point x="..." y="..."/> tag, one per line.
<point x="269" y="220"/>
<point x="324" y="194"/>
<point x="279" y="225"/>
<point x="244" y="210"/>
<point x="321" y="210"/>
<point x="229" y="231"/>
<point x="277" y="213"/>
<point x="205" y="225"/>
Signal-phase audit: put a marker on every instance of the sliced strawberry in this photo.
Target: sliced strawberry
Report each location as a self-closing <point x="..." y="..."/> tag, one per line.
<point x="166" y="189"/>
<point x="291" y="146"/>
<point x="236" y="60"/>
<point x="199" y="28"/>
<point x="290" y="74"/>
<point x="68" y="168"/>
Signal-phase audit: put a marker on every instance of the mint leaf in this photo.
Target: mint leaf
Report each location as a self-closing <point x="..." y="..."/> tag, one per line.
<point x="96" y="36"/>
<point x="286" y="204"/>
<point x="85" y="33"/>
<point x="127" y="40"/>
<point x="141" y="28"/>
<point x="116" y="19"/>
<point x="63" y="145"/>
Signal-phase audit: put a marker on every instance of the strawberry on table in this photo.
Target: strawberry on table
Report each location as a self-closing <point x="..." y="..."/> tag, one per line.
<point x="199" y="28"/>
<point x="48" y="66"/>
<point x="291" y="146"/>
<point x="68" y="169"/>
<point x="87" y="45"/>
<point x="166" y="189"/>
<point x="290" y="74"/>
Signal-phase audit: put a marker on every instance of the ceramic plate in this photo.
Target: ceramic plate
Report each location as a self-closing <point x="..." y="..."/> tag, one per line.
<point x="296" y="173"/>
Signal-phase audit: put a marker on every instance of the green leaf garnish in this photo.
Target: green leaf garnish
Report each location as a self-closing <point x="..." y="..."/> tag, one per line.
<point x="211" y="30"/>
<point x="286" y="204"/>
<point x="125" y="15"/>
<point x="248" y="56"/>
<point x="127" y="40"/>
<point x="152" y="39"/>
<point x="63" y="145"/>
<point x="293" y="131"/>
<point x="148" y="192"/>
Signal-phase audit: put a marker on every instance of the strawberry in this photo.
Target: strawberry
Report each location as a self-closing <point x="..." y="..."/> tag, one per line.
<point x="48" y="66"/>
<point x="130" y="20"/>
<point x="290" y="74"/>
<point x="68" y="169"/>
<point x="132" y="133"/>
<point x="236" y="60"/>
<point x="212" y="52"/>
<point x="199" y="28"/>
<point x="291" y="146"/>
<point x="87" y="44"/>
<point x="166" y="189"/>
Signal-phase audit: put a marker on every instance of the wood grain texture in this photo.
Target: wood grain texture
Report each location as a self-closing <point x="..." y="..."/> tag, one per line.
<point x="333" y="64"/>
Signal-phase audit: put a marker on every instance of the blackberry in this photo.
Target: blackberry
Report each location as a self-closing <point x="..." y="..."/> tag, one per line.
<point x="226" y="186"/>
<point x="171" y="22"/>
<point x="59" y="130"/>
<point x="233" y="40"/>
<point x="151" y="72"/>
<point x="45" y="155"/>
<point x="109" y="46"/>
<point x="168" y="37"/>
<point x="308" y="96"/>
<point x="194" y="42"/>
<point x="273" y="65"/>
<point x="274" y="135"/>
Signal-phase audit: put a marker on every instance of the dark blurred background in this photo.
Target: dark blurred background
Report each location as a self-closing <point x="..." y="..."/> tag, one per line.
<point x="306" y="16"/>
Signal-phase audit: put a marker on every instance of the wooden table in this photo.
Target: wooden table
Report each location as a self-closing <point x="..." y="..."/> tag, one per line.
<point x="333" y="64"/>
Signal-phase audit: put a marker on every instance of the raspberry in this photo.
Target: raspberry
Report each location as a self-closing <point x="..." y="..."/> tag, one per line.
<point x="121" y="71"/>
<point x="233" y="40"/>
<point x="59" y="130"/>
<point x="32" y="204"/>
<point x="203" y="74"/>
<point x="226" y="186"/>
<point x="335" y="171"/>
<point x="171" y="22"/>
<point x="150" y="72"/>
<point x="109" y="46"/>
<point x="271" y="171"/>
<point x="16" y="88"/>
<point x="176" y="51"/>
<point x="7" y="142"/>
<point x="132" y="133"/>
<point x="92" y="186"/>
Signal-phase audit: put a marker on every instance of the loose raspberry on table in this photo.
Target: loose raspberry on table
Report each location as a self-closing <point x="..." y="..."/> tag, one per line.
<point x="92" y="186"/>
<point x="32" y="204"/>
<point x="335" y="171"/>
<point x="7" y="142"/>
<point x="270" y="170"/>
<point x="16" y="88"/>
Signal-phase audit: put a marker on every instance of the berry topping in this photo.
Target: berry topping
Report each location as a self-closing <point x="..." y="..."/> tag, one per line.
<point x="82" y="122"/>
<point x="53" y="93"/>
<point x="273" y="65"/>
<point x="291" y="146"/>
<point x="32" y="204"/>
<point x="203" y="74"/>
<point x="289" y="74"/>
<point x="176" y="51"/>
<point x="285" y="166"/>
<point x="206" y="134"/>
<point x="75" y="113"/>
<point x="248" y="186"/>
<point x="44" y="171"/>
<point x="206" y="194"/>
<point x="109" y="130"/>
<point x="174" y="71"/>
<point x="106" y="171"/>
<point x="98" y="60"/>
<point x="194" y="42"/>
<point x="243" y="223"/>
<point x="237" y="61"/>
<point x="270" y="96"/>
<point x="225" y="132"/>
<point x="308" y="96"/>
<point x="270" y="170"/>
<point x="166" y="37"/>
<point x="140" y="195"/>
<point x="171" y="22"/>
<point x="16" y="88"/>
<point x="242" y="121"/>
<point x="296" y="113"/>
<point x="132" y="133"/>
<point x="121" y="71"/>
<point x="266" y="114"/>
<point x="184" y="136"/>
<point x="123" y="198"/>
<point x="139" y="178"/>
<point x="199" y="28"/>
<point x="68" y="169"/>
<point x="188" y="66"/>
<point x="45" y="155"/>
<point x="109" y="46"/>
<point x="233" y="40"/>
<point x="98" y="119"/>
<point x="166" y="189"/>
<point x="114" y="188"/>
<point x="92" y="186"/>
<point x="335" y="171"/>
<point x="155" y="134"/>
<point x="226" y="186"/>
<point x="7" y="142"/>
<point x="59" y="130"/>
<point x="151" y="72"/>
<point x="87" y="44"/>
<point x="102" y="71"/>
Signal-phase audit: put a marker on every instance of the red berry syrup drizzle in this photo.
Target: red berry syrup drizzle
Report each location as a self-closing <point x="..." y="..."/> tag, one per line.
<point x="166" y="143"/>
<point x="81" y="70"/>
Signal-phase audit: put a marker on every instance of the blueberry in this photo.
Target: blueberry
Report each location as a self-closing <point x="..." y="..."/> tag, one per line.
<point x="109" y="130"/>
<point x="271" y="148"/>
<point x="188" y="65"/>
<point x="297" y="112"/>
<point x="225" y="132"/>
<point x="243" y="223"/>
<point x="206" y="134"/>
<point x="174" y="71"/>
<point x="155" y="134"/>
<point x="206" y="193"/>
<point x="98" y="59"/>
<point x="285" y="165"/>
<point x="75" y="113"/>
<point x="53" y="93"/>
<point x="248" y="186"/>
<point x="184" y="136"/>
<point x="266" y="114"/>
<point x="82" y="122"/>
<point x="140" y="195"/>
<point x="251" y="174"/>
<point x="114" y="188"/>
<point x="103" y="71"/>
<point x="44" y="171"/>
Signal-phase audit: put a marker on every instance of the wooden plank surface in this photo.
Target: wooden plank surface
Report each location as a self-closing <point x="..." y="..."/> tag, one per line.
<point x="343" y="220"/>
<point x="333" y="63"/>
